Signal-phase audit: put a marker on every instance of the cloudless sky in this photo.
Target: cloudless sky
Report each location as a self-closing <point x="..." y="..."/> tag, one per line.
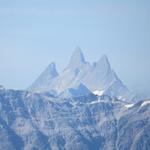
<point x="33" y="33"/>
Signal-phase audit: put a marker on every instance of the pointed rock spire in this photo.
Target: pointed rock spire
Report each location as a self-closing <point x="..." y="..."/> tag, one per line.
<point x="77" y="58"/>
<point x="46" y="77"/>
<point x="49" y="73"/>
<point x="103" y="63"/>
<point x="51" y="70"/>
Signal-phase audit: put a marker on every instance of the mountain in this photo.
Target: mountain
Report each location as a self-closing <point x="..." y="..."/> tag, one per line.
<point x="77" y="59"/>
<point x="96" y="77"/>
<point x="102" y="78"/>
<point x="36" y="121"/>
<point x="44" y="79"/>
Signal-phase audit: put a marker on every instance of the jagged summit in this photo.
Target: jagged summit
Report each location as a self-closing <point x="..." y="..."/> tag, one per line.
<point x="51" y="70"/>
<point x="45" y="78"/>
<point x="104" y="60"/>
<point x="77" y="58"/>
<point x="97" y="77"/>
<point x="103" y="63"/>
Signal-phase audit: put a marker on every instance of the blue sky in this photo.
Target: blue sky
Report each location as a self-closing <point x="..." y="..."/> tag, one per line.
<point x="33" y="33"/>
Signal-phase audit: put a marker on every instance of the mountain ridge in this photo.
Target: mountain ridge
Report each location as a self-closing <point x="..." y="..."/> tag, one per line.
<point x="38" y="121"/>
<point x="99" y="76"/>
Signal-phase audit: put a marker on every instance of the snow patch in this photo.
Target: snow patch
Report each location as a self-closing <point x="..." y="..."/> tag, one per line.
<point x="129" y="105"/>
<point x="145" y="103"/>
<point x="98" y="93"/>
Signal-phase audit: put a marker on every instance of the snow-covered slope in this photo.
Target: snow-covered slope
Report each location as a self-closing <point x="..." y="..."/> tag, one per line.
<point x="96" y="77"/>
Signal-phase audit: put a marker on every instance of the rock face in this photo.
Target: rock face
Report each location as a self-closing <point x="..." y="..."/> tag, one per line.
<point x="60" y="111"/>
<point x="32" y="121"/>
<point x="45" y="78"/>
<point x="96" y="77"/>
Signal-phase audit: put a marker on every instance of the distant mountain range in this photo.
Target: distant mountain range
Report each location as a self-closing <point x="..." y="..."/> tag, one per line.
<point x="86" y="107"/>
<point x="98" y="76"/>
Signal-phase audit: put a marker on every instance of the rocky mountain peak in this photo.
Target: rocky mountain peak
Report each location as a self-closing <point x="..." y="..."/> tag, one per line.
<point x="77" y="58"/>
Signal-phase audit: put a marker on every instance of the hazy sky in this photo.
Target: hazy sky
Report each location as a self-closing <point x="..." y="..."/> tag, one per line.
<point x="33" y="33"/>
